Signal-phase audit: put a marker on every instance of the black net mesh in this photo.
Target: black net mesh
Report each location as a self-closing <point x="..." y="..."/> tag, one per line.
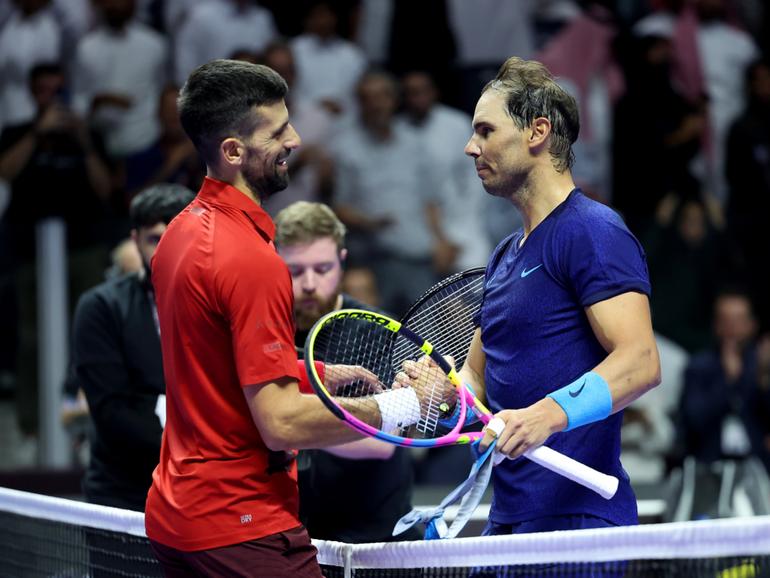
<point x="31" y="547"/>
<point x="38" y="544"/>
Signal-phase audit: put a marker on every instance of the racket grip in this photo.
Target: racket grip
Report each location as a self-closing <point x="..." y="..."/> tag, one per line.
<point x="603" y="484"/>
<point x="586" y="476"/>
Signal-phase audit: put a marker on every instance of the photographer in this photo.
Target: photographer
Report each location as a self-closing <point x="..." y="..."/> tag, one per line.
<point x="54" y="169"/>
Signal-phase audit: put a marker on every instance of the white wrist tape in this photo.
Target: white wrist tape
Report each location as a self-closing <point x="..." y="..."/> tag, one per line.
<point x="398" y="408"/>
<point x="495" y="426"/>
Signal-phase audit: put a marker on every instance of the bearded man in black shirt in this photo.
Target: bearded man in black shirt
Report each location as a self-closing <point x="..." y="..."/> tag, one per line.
<point x="370" y="478"/>
<point x="117" y="363"/>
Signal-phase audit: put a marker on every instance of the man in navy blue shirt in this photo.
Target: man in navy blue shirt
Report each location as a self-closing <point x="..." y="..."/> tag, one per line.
<point x="565" y="339"/>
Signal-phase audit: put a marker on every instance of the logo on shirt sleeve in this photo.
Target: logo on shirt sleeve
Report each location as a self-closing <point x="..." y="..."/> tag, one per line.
<point x="525" y="271"/>
<point x="272" y="347"/>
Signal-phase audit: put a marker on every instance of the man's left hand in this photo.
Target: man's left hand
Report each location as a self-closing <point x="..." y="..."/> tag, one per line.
<point x="526" y="429"/>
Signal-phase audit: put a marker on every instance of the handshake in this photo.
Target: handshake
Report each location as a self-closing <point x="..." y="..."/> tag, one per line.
<point x="420" y="394"/>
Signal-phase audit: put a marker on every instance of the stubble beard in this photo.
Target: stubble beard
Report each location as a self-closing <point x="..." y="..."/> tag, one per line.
<point x="266" y="185"/>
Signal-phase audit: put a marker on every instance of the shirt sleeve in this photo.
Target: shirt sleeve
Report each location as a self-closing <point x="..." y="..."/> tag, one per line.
<point x="600" y="258"/>
<point x="257" y="300"/>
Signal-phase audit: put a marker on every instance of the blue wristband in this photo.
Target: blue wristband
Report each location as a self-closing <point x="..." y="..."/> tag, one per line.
<point x="450" y="421"/>
<point x="585" y="400"/>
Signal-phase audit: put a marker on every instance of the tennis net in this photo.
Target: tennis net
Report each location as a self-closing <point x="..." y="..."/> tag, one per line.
<point x="51" y="537"/>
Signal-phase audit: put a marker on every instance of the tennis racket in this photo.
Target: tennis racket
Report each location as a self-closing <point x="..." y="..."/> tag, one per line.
<point x="366" y="355"/>
<point x="446" y="315"/>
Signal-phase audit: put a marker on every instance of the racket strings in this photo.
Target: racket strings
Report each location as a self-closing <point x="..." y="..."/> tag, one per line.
<point x="446" y="317"/>
<point x="349" y="344"/>
<point x="449" y="312"/>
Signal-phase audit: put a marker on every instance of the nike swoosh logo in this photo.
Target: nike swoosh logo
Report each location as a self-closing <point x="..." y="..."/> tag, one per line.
<point x="526" y="272"/>
<point x="578" y="392"/>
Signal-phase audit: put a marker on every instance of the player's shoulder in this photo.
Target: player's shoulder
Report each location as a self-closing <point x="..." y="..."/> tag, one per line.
<point x="247" y="257"/>
<point x="583" y="214"/>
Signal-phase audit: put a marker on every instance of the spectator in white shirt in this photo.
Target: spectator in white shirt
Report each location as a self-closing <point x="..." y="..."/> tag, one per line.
<point x="328" y="67"/>
<point x="444" y="131"/>
<point x="30" y="36"/>
<point x="388" y="193"/>
<point x="217" y="29"/>
<point x="118" y="75"/>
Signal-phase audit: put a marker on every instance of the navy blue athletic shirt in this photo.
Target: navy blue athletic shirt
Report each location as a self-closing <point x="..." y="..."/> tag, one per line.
<point x="537" y="339"/>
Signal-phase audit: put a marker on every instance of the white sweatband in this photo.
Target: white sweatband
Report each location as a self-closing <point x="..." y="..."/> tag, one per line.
<point x="398" y="408"/>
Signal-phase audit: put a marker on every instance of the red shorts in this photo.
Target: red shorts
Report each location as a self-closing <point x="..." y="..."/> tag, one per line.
<point x="288" y="553"/>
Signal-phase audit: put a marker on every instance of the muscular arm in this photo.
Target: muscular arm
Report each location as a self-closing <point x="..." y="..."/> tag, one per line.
<point x="365" y="449"/>
<point x="287" y="419"/>
<point x="472" y="372"/>
<point x="623" y="327"/>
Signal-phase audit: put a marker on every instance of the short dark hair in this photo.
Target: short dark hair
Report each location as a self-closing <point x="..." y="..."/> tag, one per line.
<point x="530" y="92"/>
<point x="158" y="204"/>
<point x="218" y="101"/>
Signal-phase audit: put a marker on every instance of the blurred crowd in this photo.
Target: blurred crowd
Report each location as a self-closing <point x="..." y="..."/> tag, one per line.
<point x="675" y="106"/>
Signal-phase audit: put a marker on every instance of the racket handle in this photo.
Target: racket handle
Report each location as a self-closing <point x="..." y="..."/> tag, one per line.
<point x="602" y="484"/>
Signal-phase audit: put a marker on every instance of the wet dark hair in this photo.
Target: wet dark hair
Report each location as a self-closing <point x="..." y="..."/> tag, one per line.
<point x="530" y="92"/>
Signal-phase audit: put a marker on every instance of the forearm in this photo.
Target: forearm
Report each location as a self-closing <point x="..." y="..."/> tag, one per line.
<point x="470" y="377"/>
<point x="287" y="419"/>
<point x="364" y="449"/>
<point x="630" y="372"/>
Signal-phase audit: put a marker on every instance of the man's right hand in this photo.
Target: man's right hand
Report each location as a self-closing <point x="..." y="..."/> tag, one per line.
<point x="430" y="383"/>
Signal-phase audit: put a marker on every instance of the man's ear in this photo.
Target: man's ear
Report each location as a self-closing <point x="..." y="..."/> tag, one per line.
<point x="539" y="132"/>
<point x="232" y="151"/>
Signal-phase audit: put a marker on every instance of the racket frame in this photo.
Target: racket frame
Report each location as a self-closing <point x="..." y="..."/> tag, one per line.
<point x="453" y="437"/>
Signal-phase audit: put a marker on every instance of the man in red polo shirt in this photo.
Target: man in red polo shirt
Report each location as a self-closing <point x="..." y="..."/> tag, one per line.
<point x="224" y="496"/>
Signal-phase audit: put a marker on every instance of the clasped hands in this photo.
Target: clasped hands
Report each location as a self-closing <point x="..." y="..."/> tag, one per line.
<point x="429" y="382"/>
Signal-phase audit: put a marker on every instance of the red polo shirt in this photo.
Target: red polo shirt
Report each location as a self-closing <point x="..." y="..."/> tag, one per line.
<point x="225" y="306"/>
